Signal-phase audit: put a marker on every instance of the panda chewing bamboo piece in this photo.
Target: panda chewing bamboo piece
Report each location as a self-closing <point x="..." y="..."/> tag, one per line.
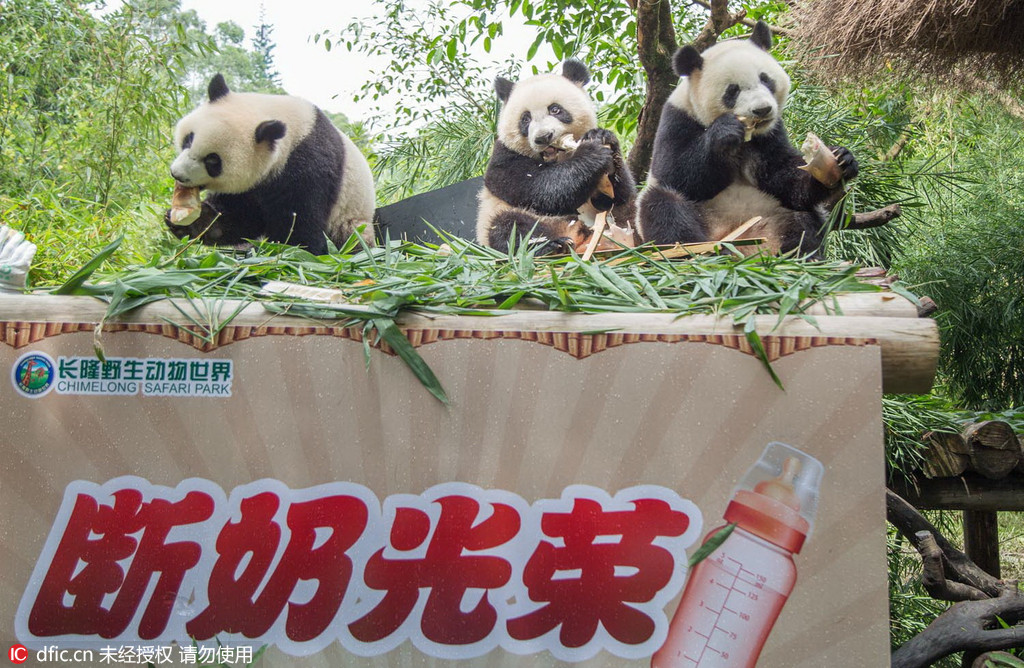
<point x="534" y="188"/>
<point x="722" y="155"/>
<point x="275" y="167"/>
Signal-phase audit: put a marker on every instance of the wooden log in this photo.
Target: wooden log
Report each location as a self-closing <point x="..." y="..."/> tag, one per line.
<point x="993" y="448"/>
<point x="945" y="455"/>
<point x="981" y="539"/>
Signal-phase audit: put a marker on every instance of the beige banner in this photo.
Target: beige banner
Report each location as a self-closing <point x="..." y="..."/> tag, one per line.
<point x="538" y="421"/>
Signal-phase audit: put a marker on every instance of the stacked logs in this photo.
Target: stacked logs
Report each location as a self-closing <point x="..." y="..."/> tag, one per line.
<point x="990" y="448"/>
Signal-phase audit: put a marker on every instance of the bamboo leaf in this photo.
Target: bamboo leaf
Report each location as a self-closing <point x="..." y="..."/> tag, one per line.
<point x="755" y="342"/>
<point x="713" y="542"/>
<point x="394" y="337"/>
<point x="74" y="284"/>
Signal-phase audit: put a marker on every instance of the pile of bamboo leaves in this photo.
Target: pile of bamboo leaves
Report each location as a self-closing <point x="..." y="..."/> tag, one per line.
<point x="463" y="278"/>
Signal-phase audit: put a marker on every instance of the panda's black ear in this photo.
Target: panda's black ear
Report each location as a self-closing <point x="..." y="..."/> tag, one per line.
<point x="218" y="88"/>
<point x="270" y="131"/>
<point x="762" y="36"/>
<point x="576" y="72"/>
<point x="504" y="88"/>
<point x="686" y="60"/>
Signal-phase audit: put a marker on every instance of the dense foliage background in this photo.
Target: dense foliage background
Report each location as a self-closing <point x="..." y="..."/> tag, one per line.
<point x="89" y="96"/>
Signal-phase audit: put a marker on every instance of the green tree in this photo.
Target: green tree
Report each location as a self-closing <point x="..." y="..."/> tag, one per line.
<point x="86" y="99"/>
<point x="267" y="78"/>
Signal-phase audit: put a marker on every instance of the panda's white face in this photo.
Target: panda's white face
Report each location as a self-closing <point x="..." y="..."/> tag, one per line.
<point x="233" y="143"/>
<point x="737" y="78"/>
<point x="541" y="110"/>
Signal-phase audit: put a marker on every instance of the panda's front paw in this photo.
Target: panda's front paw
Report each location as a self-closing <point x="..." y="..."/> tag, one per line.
<point x="603" y="157"/>
<point x="559" y="246"/>
<point x="726" y="133"/>
<point x="603" y="137"/>
<point x="847" y="163"/>
<point x="179" y="231"/>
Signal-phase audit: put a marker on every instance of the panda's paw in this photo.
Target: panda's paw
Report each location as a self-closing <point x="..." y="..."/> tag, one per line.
<point x="602" y="156"/>
<point x="559" y="246"/>
<point x="603" y="137"/>
<point x="179" y="231"/>
<point x="726" y="133"/>
<point x="847" y="163"/>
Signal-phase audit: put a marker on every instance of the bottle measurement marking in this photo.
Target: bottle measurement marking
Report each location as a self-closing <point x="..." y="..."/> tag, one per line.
<point x="735" y="582"/>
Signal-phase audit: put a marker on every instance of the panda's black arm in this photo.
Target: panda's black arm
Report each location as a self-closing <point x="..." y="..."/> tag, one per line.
<point x="551" y="189"/>
<point x="622" y="181"/>
<point x="777" y="172"/>
<point x="623" y="185"/>
<point x="223" y="219"/>
<point x="690" y="158"/>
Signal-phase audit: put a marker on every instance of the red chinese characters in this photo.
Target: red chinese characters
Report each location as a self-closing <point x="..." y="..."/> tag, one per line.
<point x="588" y="582"/>
<point x="238" y="604"/>
<point x="448" y="569"/>
<point x="459" y="571"/>
<point x="152" y="554"/>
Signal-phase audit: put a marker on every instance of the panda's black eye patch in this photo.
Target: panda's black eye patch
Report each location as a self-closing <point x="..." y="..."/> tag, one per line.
<point x="561" y="113"/>
<point x="213" y="165"/>
<point x="732" y="93"/>
<point x="186" y="143"/>
<point x="768" y="82"/>
<point x="524" y="123"/>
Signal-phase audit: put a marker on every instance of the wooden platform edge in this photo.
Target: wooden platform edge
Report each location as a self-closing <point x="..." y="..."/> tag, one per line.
<point x="909" y="346"/>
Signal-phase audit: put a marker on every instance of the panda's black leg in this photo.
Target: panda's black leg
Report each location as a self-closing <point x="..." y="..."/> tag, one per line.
<point x="667" y="217"/>
<point x="526" y="229"/>
<point x="802" y="231"/>
<point x="312" y="239"/>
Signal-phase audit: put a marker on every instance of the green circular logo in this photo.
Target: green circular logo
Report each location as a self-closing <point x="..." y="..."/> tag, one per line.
<point x="33" y="374"/>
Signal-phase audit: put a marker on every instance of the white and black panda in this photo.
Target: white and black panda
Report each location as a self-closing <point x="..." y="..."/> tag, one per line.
<point x="533" y="186"/>
<point x="275" y="167"/>
<point x="706" y="178"/>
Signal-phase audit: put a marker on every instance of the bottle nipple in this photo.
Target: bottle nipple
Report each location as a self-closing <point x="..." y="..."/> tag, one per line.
<point x="781" y="488"/>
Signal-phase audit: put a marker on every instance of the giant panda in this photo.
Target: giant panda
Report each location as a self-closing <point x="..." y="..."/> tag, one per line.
<point x="274" y="167"/>
<point x="706" y="179"/>
<point x="531" y="184"/>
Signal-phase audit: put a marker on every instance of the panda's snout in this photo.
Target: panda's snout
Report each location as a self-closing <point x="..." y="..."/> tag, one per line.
<point x="762" y="112"/>
<point x="544" y="138"/>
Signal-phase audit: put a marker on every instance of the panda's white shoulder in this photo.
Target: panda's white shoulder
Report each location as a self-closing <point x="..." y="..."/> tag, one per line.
<point x="680" y="97"/>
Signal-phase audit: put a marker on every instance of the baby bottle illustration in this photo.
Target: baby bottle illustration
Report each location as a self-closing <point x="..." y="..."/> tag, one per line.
<point x="733" y="597"/>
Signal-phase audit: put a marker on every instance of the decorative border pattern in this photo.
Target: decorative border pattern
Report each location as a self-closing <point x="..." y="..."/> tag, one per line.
<point x="576" y="344"/>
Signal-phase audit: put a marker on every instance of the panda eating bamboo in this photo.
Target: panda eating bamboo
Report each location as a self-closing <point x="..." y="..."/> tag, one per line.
<point x="274" y="167"/>
<point x="548" y="165"/>
<point x="722" y="155"/>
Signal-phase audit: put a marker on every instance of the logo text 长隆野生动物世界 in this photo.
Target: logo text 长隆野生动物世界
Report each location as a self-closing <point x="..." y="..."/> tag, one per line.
<point x="35" y="374"/>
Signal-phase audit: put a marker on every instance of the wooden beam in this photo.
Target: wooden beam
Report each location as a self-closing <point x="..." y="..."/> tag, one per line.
<point x="970" y="491"/>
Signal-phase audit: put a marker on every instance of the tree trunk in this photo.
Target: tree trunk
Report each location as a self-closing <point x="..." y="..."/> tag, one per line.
<point x="656" y="44"/>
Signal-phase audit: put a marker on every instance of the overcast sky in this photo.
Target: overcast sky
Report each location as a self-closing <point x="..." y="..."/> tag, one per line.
<point x="328" y="79"/>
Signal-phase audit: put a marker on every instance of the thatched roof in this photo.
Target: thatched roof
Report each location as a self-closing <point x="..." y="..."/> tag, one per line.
<point x="934" y="37"/>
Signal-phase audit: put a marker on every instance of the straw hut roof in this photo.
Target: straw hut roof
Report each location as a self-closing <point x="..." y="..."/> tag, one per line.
<point x="931" y="37"/>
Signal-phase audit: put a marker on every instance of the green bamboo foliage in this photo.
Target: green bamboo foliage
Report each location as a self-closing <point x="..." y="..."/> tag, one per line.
<point x="464" y="278"/>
